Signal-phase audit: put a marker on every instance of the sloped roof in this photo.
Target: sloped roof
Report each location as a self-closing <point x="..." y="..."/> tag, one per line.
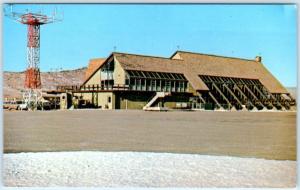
<point x="149" y="63"/>
<point x="93" y="67"/>
<point x="194" y="64"/>
<point x="203" y="64"/>
<point x="94" y="64"/>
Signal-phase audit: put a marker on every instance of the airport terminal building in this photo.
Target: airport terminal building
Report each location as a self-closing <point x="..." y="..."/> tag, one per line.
<point x="185" y="80"/>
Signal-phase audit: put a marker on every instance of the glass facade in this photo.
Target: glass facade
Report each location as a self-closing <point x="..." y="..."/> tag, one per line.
<point x="156" y="81"/>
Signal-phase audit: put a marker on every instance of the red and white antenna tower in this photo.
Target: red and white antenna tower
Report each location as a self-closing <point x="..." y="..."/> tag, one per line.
<point x="33" y="22"/>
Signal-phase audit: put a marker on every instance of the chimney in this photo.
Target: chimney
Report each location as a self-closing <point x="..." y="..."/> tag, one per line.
<point x="258" y="58"/>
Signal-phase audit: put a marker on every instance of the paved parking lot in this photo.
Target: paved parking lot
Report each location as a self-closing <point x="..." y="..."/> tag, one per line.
<point x="270" y="135"/>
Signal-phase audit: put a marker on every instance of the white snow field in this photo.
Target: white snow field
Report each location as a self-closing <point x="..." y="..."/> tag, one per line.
<point x="141" y="169"/>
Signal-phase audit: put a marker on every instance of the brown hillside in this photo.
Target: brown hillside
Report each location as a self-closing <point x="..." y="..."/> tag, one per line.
<point x="13" y="82"/>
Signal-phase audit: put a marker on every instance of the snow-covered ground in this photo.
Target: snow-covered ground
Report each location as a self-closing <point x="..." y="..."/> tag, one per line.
<point x="140" y="169"/>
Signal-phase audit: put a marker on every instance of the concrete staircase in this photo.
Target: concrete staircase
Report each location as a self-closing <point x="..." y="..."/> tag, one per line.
<point x="158" y="95"/>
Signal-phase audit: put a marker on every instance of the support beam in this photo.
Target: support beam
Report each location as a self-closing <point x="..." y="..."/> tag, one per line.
<point x="267" y="100"/>
<point x="287" y="103"/>
<point x="236" y="87"/>
<point x="277" y="102"/>
<point x="214" y="99"/>
<point x="258" y="90"/>
<point x="253" y="95"/>
<point x="160" y="87"/>
<point x="201" y="98"/>
<point x="220" y="92"/>
<point x="232" y="94"/>
<point x="239" y="91"/>
<point x="243" y="95"/>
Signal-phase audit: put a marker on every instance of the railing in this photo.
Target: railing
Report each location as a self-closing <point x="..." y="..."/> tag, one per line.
<point x="92" y="87"/>
<point x="71" y="87"/>
<point x="97" y="87"/>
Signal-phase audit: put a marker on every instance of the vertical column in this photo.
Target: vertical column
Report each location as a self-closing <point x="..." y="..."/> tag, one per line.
<point x="32" y="74"/>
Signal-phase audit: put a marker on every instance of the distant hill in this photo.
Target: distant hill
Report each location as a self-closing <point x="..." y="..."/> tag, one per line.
<point x="13" y="82"/>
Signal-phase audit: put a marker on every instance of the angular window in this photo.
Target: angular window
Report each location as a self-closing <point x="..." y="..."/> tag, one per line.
<point x="135" y="73"/>
<point x="147" y="74"/>
<point x="130" y="73"/>
<point x="169" y="75"/>
<point x="143" y="74"/>
<point x="164" y="76"/>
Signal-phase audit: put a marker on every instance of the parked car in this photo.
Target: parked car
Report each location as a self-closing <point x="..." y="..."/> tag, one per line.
<point x="23" y="106"/>
<point x="14" y="105"/>
<point x="10" y="105"/>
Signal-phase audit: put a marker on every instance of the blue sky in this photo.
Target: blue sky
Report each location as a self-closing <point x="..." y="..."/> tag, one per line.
<point x="91" y="31"/>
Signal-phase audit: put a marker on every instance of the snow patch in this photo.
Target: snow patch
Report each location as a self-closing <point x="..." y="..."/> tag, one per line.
<point x="141" y="169"/>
